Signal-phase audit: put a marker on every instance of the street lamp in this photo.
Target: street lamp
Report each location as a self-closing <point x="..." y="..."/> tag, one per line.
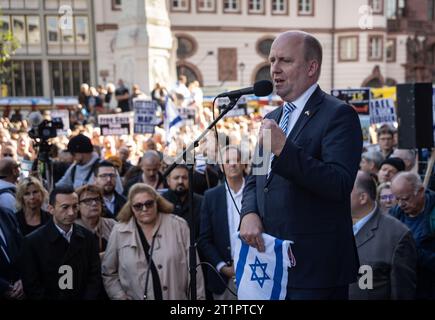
<point x="241" y="68"/>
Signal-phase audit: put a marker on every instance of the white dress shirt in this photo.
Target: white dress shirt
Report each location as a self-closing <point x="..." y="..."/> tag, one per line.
<point x="110" y="203"/>
<point x="358" y="225"/>
<point x="66" y="235"/>
<point x="233" y="217"/>
<point x="300" y="105"/>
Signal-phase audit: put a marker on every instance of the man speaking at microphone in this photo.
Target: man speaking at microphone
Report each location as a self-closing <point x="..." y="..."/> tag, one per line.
<point x="304" y="195"/>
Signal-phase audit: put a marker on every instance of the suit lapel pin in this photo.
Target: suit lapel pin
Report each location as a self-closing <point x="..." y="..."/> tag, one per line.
<point x="307" y="113"/>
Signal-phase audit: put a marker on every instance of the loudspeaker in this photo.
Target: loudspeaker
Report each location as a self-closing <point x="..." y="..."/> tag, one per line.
<point x="415" y="115"/>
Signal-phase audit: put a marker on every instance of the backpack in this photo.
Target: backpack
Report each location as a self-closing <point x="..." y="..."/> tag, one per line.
<point x="9" y="190"/>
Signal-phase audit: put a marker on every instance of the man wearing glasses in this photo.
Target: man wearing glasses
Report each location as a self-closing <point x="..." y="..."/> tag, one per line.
<point x="105" y="177"/>
<point x="60" y="260"/>
<point x="416" y="209"/>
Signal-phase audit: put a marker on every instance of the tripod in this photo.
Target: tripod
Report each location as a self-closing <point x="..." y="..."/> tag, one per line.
<point x="43" y="164"/>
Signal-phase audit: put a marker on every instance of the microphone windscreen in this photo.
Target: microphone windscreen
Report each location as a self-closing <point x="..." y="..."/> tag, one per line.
<point x="263" y="88"/>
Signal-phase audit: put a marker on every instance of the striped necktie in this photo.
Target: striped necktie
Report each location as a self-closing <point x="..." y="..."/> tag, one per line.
<point x="4" y="248"/>
<point x="288" y="108"/>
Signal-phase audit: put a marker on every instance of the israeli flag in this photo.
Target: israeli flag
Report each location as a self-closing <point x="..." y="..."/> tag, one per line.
<point x="263" y="275"/>
<point x="172" y="118"/>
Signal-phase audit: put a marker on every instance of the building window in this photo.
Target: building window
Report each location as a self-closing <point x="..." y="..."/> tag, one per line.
<point x="67" y="76"/>
<point x="186" y="46"/>
<point x="227" y="64"/>
<point x="19" y="4"/>
<point x="395" y="8"/>
<point x="263" y="46"/>
<point x="232" y="6"/>
<point x="390" y="50"/>
<point x="263" y="73"/>
<point x="206" y="5"/>
<point x="180" y="5"/>
<point x="68" y="41"/>
<point x="26" y="30"/>
<point x="256" y="6"/>
<point x="305" y="7"/>
<point x="190" y="71"/>
<point x="116" y="5"/>
<point x="375" y="48"/>
<point x="348" y="48"/>
<point x="377" y="6"/>
<point x="279" y="7"/>
<point x="75" y="4"/>
<point x="25" y="79"/>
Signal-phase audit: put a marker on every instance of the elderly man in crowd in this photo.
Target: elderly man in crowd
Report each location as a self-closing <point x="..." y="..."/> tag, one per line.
<point x="416" y="210"/>
<point x="384" y="244"/>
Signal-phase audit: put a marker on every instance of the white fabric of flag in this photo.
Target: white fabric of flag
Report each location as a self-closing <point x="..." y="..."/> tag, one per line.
<point x="172" y="119"/>
<point x="263" y="275"/>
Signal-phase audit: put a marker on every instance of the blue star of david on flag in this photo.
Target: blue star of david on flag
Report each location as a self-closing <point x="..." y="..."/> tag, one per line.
<point x="263" y="275"/>
<point x="254" y="276"/>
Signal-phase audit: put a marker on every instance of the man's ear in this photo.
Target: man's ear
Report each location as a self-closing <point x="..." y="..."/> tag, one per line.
<point x="313" y="68"/>
<point x="363" y="198"/>
<point x="50" y="209"/>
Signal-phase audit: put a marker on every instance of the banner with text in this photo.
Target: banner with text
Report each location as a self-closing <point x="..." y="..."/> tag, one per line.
<point x="382" y="111"/>
<point x="145" y="116"/>
<point x="64" y="115"/>
<point x="359" y="99"/>
<point x="116" y="124"/>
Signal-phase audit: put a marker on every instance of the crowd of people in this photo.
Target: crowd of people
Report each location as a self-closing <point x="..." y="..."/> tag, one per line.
<point x="121" y="224"/>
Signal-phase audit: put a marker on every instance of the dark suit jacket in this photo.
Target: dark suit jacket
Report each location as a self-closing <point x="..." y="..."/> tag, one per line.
<point x="306" y="197"/>
<point x="9" y="270"/>
<point x="182" y="209"/>
<point x="120" y="200"/>
<point x="46" y="250"/>
<point x="387" y="246"/>
<point x="214" y="241"/>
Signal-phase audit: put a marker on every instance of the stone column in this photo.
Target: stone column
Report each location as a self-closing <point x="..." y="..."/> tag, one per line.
<point x="143" y="51"/>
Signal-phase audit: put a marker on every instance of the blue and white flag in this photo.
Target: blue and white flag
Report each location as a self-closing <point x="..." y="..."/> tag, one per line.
<point x="263" y="275"/>
<point x="172" y="118"/>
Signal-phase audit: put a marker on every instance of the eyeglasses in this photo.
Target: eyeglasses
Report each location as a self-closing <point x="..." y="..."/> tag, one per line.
<point x="107" y="175"/>
<point x="91" y="201"/>
<point x="388" y="197"/>
<point x="140" y="206"/>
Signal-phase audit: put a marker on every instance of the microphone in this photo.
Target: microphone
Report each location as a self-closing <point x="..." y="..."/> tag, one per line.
<point x="260" y="89"/>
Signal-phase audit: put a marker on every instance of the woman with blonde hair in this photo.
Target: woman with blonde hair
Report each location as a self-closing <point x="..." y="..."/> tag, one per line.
<point x="30" y="196"/>
<point x="148" y="251"/>
<point x="90" y="214"/>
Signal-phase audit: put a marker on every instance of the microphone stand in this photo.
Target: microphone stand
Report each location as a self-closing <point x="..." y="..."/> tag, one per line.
<point x="188" y="155"/>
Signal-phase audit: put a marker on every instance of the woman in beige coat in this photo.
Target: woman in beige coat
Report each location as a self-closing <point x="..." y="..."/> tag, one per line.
<point x="125" y="267"/>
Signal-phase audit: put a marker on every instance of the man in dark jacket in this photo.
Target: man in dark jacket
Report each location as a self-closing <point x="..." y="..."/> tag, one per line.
<point x="415" y="209"/>
<point x="105" y="177"/>
<point x="60" y="260"/>
<point x="11" y="286"/>
<point x="385" y="247"/>
<point x="178" y="194"/>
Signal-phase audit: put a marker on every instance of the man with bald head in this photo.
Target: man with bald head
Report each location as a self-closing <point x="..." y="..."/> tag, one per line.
<point x="9" y="173"/>
<point x="303" y="195"/>
<point x="150" y="165"/>
<point x="416" y="209"/>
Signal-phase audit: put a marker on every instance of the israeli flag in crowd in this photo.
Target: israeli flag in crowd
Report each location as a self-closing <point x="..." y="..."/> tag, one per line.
<point x="263" y="275"/>
<point x="172" y="118"/>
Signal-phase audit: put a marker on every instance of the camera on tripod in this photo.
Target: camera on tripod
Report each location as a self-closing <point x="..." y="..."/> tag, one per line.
<point x="46" y="129"/>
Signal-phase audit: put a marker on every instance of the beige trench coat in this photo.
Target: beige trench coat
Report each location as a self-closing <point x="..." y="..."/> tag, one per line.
<point x="124" y="265"/>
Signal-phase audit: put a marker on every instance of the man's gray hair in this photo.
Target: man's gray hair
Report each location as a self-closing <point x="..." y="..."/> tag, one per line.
<point x="407" y="154"/>
<point x="150" y="155"/>
<point x="411" y="178"/>
<point x="374" y="156"/>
